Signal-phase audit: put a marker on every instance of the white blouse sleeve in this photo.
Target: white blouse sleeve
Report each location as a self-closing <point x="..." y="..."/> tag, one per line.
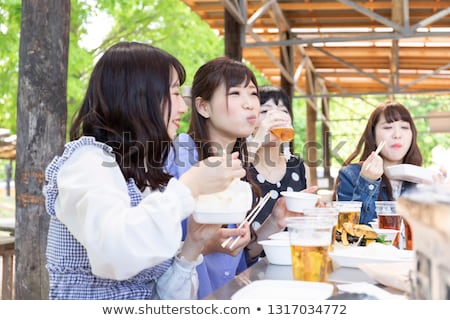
<point x="180" y="281"/>
<point x="120" y="240"/>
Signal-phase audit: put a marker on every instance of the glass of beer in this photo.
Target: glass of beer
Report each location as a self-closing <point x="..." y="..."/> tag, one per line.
<point x="310" y="240"/>
<point x="385" y="207"/>
<point x="327" y="212"/>
<point x="388" y="218"/>
<point x="391" y="221"/>
<point x="284" y="133"/>
<point x="349" y="211"/>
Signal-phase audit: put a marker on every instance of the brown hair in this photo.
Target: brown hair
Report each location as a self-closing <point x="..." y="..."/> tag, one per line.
<point x="206" y="80"/>
<point x="392" y="111"/>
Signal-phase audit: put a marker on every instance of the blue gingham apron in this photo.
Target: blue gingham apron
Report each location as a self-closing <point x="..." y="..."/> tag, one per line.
<point x="68" y="265"/>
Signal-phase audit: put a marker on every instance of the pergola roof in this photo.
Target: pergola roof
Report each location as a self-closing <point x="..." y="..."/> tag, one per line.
<point x="349" y="47"/>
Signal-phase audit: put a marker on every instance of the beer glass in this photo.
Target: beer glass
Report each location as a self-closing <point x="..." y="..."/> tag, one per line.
<point x="285" y="133"/>
<point x="310" y="240"/>
<point x="349" y="211"/>
<point x="326" y="212"/>
<point x="389" y="218"/>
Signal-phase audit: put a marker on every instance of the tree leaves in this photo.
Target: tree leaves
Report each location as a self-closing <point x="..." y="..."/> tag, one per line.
<point x="172" y="26"/>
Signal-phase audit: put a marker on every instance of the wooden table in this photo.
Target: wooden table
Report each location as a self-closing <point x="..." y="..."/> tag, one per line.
<point x="7" y="254"/>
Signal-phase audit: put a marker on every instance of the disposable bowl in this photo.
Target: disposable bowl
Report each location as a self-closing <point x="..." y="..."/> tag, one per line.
<point x="298" y="201"/>
<point x="277" y="251"/>
<point x="390" y="234"/>
<point x="225" y="207"/>
<point x="282" y="235"/>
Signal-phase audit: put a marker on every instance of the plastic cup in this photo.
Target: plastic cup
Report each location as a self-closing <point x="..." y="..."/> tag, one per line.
<point x="349" y="211"/>
<point x="385" y="207"/>
<point x="329" y="213"/>
<point x="310" y="240"/>
<point x="325" y="212"/>
<point x="284" y="133"/>
<point x="326" y="196"/>
<point x="388" y="218"/>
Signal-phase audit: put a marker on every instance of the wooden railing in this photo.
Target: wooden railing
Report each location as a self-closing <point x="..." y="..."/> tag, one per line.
<point x="7" y="254"/>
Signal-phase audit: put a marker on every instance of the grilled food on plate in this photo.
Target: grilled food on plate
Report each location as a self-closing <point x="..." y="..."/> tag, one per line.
<point x="351" y="233"/>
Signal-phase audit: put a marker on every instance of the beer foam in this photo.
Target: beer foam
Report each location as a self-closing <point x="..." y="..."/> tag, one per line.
<point x="322" y="239"/>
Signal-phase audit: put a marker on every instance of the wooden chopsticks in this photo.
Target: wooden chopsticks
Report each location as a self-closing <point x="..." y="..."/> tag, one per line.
<point x="380" y="146"/>
<point x="250" y="217"/>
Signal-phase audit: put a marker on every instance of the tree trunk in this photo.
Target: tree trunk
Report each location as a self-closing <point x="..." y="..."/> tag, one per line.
<point x="41" y="132"/>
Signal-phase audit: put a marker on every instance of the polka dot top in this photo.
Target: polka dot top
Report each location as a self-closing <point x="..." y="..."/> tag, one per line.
<point x="293" y="180"/>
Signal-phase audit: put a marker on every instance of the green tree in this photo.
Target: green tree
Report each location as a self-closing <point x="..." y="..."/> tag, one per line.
<point x="168" y="24"/>
<point x="172" y="26"/>
<point x="10" y="11"/>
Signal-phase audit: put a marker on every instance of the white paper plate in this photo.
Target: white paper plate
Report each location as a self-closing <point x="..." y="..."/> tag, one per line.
<point x="219" y="217"/>
<point x="284" y="290"/>
<point x="411" y="173"/>
<point x="375" y="253"/>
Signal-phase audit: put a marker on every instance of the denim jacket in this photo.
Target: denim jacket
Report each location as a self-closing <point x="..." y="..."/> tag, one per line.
<point x="354" y="187"/>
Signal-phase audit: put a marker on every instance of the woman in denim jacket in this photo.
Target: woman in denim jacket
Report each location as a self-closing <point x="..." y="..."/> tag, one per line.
<point x="366" y="181"/>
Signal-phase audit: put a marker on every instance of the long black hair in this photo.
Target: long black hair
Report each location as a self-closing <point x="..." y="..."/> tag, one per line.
<point x="124" y="105"/>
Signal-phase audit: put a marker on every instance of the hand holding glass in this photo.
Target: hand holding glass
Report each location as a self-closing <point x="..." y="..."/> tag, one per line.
<point x="285" y="133"/>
